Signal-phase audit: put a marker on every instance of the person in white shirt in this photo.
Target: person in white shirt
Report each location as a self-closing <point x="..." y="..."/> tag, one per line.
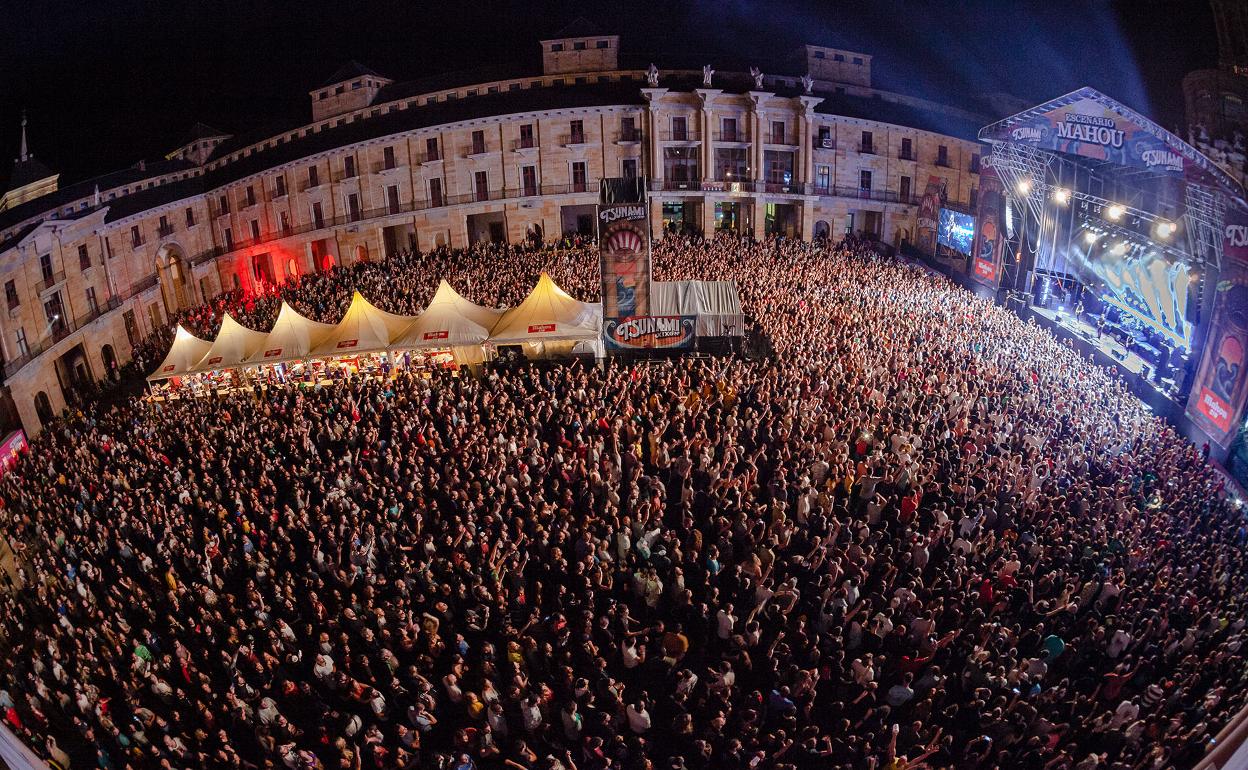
<point x="638" y="717"/>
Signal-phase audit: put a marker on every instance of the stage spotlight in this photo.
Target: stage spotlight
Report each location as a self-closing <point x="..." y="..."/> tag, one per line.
<point x="1165" y="229"/>
<point x="1115" y="212"/>
<point x="1091" y="237"/>
<point x="1024" y="186"/>
<point x="1061" y="195"/>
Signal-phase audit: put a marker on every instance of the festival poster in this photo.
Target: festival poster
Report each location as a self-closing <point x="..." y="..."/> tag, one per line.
<point x="670" y="332"/>
<point x="929" y="214"/>
<point x="1221" y="388"/>
<point x="624" y="246"/>
<point x="989" y="240"/>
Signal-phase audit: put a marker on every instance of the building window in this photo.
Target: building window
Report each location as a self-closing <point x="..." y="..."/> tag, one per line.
<point x="728" y="130"/>
<point x="54" y="310"/>
<point x="190" y="217"/>
<point x="528" y="180"/>
<point x="255" y="229"/>
<point x="823" y="178"/>
<point x="556" y="47"/>
<point x="132" y="327"/>
<point x="526" y="136"/>
<point x="10" y="294"/>
<point x="348" y="166"/>
<point x="578" y="176"/>
<point x="353" y="207"/>
<point x="868" y="142"/>
<point x="314" y="177"/>
<point x="283" y="219"/>
<point x="779" y="165"/>
<point x="974" y="201"/>
<point x="481" y="185"/>
<point x="824" y="140"/>
<point x="163" y="227"/>
<point x="858" y="60"/>
<point x="942" y="155"/>
<point x="731" y="164"/>
<point x="93" y="307"/>
<point x="223" y="204"/>
<point x="864" y="180"/>
<point x="838" y="57"/>
<point x="904" y="189"/>
<point x="318" y="215"/>
<point x="680" y="128"/>
<point x="975" y="163"/>
<point x="478" y="142"/>
<point x="680" y="164"/>
<point x="392" y="198"/>
<point x="279" y="185"/>
<point x="818" y="54"/>
<point x="628" y="129"/>
<point x="431" y="148"/>
<point x="387" y="158"/>
<point x="907" y="149"/>
<point x="628" y="168"/>
<point x="578" y="45"/>
<point x="578" y="132"/>
<point x="777" y="132"/>
<point x="251" y="195"/>
<point x="602" y="44"/>
<point x="435" y="192"/>
<point x="23" y="347"/>
<point x="84" y="258"/>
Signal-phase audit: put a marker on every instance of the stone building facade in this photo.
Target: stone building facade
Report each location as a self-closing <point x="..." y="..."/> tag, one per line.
<point x="91" y="269"/>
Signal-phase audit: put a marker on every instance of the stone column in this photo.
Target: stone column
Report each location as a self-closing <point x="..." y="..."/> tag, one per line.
<point x="756" y="137"/>
<point x="706" y="120"/>
<point x="653" y="121"/>
<point x="806" y="149"/>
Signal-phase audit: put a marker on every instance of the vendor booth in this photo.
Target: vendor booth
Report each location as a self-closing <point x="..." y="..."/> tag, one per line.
<point x="550" y="323"/>
<point x="288" y="347"/>
<point x="185" y="353"/>
<point x="451" y="331"/>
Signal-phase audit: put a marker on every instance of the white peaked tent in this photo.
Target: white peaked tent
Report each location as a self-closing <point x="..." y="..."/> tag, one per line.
<point x="364" y="328"/>
<point x="450" y="322"/>
<point x="549" y="314"/>
<point x="185" y="352"/>
<point x="293" y="337"/>
<point x="234" y="344"/>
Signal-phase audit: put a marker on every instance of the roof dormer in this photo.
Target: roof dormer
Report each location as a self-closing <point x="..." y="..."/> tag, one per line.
<point x="352" y="87"/>
<point x="30" y="179"/>
<point x="199" y="143"/>
<point x="580" y="47"/>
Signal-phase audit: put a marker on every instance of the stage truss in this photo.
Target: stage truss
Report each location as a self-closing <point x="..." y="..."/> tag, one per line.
<point x="1026" y="172"/>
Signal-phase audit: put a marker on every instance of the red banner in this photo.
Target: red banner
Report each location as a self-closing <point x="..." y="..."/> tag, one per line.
<point x="1221" y="387"/>
<point x="541" y="328"/>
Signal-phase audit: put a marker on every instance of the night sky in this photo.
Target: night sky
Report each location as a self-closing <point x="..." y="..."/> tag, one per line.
<point x="109" y="82"/>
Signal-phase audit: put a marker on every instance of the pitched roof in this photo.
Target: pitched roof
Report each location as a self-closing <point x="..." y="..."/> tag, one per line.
<point x="352" y="69"/>
<point x="27" y="171"/>
<point x="200" y="131"/>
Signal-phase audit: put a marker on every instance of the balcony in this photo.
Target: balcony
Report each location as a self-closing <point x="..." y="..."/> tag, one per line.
<point x="866" y="149"/>
<point x="823" y="143"/>
<point x="688" y="135"/>
<point x="732" y="136"/>
<point x="903" y="155"/>
<point x="942" y="163"/>
<point x="628" y="137"/>
<point x="573" y="139"/>
<point x="788" y="140"/>
<point x="473" y="150"/>
<point x="524" y="143"/>
<point x="430" y="157"/>
<point x="50" y="280"/>
<point x="164" y="231"/>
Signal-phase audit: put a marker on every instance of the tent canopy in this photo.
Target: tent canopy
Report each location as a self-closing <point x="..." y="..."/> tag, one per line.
<point x="293" y="337"/>
<point x="449" y="321"/>
<point x="364" y="328"/>
<point x="185" y="352"/>
<point x="549" y="313"/>
<point x="717" y="305"/>
<point x="234" y="344"/>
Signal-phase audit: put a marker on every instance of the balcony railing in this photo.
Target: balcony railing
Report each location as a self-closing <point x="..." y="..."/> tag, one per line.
<point x="51" y="280"/>
<point x="164" y="232"/>
<point x="785" y="139"/>
<point x="475" y="149"/>
<point x="732" y="136"/>
<point x="688" y="135"/>
<point x="903" y="155"/>
<point x="573" y="138"/>
<point x="866" y="149"/>
<point x="430" y="157"/>
<point x="59" y="331"/>
<point x="524" y="143"/>
<point x="628" y="136"/>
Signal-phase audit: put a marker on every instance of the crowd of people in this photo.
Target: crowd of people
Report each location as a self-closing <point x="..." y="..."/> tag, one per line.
<point x="923" y="533"/>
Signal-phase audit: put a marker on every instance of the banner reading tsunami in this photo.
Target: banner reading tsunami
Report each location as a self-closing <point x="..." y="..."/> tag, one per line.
<point x="929" y="214"/>
<point x="624" y="246"/>
<point x="986" y="253"/>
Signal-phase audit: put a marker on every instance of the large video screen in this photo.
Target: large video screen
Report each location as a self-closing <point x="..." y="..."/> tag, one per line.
<point x="956" y="231"/>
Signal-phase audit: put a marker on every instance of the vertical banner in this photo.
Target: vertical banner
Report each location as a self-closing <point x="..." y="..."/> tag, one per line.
<point x="929" y="214"/>
<point x="986" y="253"/>
<point x="1218" y="395"/>
<point x="624" y="248"/>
